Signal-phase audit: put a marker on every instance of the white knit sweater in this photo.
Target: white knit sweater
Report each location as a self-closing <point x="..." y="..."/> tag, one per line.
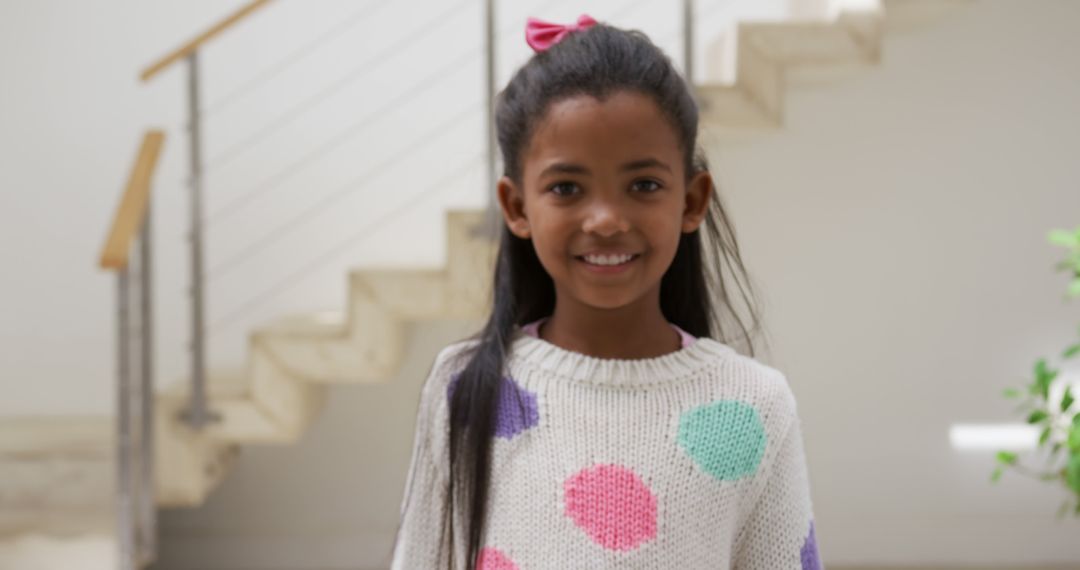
<point x="690" y="460"/>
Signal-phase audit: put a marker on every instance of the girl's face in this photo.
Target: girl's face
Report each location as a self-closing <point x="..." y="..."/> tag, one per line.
<point x="604" y="178"/>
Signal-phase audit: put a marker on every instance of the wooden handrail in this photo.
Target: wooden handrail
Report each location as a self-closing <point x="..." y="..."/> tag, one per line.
<point x="190" y="47"/>
<point x="132" y="209"/>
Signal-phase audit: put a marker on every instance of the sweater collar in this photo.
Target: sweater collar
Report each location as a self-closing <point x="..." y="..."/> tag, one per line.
<point x="541" y="355"/>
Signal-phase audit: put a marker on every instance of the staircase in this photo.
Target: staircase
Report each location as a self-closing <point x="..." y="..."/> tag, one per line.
<point x="281" y="391"/>
<point x="772" y="57"/>
<point x="57" y="474"/>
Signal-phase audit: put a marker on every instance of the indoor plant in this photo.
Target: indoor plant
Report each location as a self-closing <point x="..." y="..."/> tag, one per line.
<point x="1056" y="418"/>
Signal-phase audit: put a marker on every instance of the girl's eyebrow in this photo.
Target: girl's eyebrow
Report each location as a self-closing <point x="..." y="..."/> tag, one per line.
<point x="568" y="168"/>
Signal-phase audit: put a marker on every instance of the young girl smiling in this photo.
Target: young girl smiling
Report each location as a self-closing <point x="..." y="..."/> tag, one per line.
<point x="599" y="420"/>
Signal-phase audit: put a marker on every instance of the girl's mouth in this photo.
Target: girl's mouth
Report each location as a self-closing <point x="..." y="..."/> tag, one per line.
<point x="606" y="267"/>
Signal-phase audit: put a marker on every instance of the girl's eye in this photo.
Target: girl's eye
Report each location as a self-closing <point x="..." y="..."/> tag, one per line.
<point x="647" y="186"/>
<point x="654" y="185"/>
<point x="555" y="188"/>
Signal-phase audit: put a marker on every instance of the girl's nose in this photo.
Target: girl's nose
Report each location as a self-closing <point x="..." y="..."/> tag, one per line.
<point x="605" y="219"/>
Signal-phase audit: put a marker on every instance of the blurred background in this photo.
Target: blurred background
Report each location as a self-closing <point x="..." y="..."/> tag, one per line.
<point x="235" y="234"/>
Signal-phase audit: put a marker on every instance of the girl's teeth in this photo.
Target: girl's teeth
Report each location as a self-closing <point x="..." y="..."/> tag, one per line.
<point x="608" y="260"/>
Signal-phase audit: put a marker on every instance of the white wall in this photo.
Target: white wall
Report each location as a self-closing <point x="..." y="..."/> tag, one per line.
<point x="898" y="226"/>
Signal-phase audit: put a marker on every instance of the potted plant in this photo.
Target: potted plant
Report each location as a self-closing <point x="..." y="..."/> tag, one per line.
<point x="1057" y="419"/>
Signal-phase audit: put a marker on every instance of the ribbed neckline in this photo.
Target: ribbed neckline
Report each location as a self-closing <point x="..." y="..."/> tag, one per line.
<point x="543" y="355"/>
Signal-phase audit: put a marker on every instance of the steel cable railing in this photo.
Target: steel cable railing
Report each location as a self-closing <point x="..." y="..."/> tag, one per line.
<point x="326" y="256"/>
<point x="381" y="58"/>
<point x="309" y="213"/>
<point x="424" y="85"/>
<point x="365" y="12"/>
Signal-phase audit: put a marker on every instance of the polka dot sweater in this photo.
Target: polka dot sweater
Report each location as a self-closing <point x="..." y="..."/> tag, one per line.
<point x="690" y="460"/>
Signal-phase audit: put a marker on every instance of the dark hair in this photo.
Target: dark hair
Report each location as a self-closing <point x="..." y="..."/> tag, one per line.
<point x="598" y="62"/>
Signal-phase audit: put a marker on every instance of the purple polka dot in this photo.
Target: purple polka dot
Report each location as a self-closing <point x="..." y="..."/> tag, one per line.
<point x="516" y="410"/>
<point x="809" y="553"/>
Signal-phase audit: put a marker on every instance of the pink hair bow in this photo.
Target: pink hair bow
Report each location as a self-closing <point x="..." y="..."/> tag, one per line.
<point x="541" y="35"/>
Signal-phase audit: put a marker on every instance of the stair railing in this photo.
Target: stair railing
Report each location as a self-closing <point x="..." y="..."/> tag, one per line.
<point x="198" y="413"/>
<point x="136" y="510"/>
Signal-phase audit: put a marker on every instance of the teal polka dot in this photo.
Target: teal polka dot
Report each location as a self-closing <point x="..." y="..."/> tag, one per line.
<point x="726" y="438"/>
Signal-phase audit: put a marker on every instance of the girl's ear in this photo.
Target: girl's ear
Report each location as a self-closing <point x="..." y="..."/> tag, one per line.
<point x="512" y="203"/>
<point x="698" y="196"/>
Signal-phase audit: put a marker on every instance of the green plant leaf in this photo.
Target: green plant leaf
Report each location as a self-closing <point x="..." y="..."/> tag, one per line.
<point x="1074" y="438"/>
<point x="1011" y="392"/>
<point x="1045" y="435"/>
<point x="1066" y="398"/>
<point x="1037" y="416"/>
<point x="1072" y="473"/>
<point x="996" y="474"/>
<point x="1071" y="351"/>
<point x="1043" y="377"/>
<point x="1074" y="288"/>
<point x="1006" y="457"/>
<point x="1061" y="237"/>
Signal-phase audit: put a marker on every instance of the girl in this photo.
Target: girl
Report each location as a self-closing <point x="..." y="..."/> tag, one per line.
<point x="594" y="422"/>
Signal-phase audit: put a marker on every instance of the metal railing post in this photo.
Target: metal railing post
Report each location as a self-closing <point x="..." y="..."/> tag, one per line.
<point x="135" y="500"/>
<point x="492" y="215"/>
<point x="124" y="499"/>
<point x="197" y="414"/>
<point x="147" y="506"/>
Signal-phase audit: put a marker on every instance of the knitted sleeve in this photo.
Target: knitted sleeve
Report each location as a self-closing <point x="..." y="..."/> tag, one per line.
<point x="421" y="541"/>
<point x="779" y="532"/>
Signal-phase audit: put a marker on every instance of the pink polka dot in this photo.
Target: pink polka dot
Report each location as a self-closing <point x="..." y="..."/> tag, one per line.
<point x="612" y="505"/>
<point x="493" y="559"/>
